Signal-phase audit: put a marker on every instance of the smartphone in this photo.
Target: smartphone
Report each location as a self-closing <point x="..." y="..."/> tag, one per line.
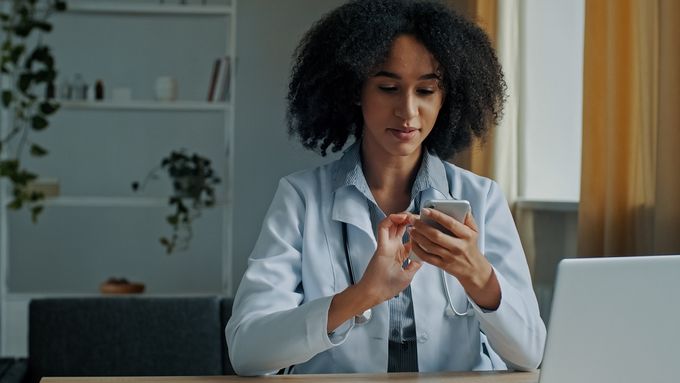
<point x="457" y="209"/>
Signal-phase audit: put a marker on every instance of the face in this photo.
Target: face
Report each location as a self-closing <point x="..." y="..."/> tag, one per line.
<point x="400" y="101"/>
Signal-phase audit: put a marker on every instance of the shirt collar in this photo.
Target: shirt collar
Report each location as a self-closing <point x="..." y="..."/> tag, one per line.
<point x="348" y="172"/>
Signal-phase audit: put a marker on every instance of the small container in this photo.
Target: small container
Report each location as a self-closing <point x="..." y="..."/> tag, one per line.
<point x="89" y="92"/>
<point x="79" y="88"/>
<point x="99" y="90"/>
<point x="166" y="88"/>
<point x="65" y="90"/>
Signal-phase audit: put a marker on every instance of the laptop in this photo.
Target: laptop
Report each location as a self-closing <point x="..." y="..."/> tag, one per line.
<point x="614" y="320"/>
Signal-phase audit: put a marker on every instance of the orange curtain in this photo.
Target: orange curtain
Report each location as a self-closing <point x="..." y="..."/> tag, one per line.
<point x="630" y="187"/>
<point x="478" y="158"/>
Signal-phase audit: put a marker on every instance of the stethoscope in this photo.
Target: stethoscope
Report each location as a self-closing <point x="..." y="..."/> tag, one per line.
<point x="449" y="312"/>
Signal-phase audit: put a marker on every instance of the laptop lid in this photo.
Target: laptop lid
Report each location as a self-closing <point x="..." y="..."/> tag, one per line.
<point x="614" y="320"/>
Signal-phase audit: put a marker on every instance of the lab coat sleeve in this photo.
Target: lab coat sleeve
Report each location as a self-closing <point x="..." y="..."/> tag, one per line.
<point x="515" y="330"/>
<point x="272" y="326"/>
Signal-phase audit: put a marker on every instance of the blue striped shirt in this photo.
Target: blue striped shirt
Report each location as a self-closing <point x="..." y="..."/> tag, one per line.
<point x="402" y="332"/>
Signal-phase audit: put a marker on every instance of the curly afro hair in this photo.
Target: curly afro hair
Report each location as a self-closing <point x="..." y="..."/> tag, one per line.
<point x="340" y="51"/>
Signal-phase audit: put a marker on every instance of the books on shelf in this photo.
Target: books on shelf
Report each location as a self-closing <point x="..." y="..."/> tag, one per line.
<point x="219" y="80"/>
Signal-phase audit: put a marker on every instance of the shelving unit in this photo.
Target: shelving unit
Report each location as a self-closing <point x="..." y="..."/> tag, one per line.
<point x="98" y="147"/>
<point x="135" y="8"/>
<point x="198" y="106"/>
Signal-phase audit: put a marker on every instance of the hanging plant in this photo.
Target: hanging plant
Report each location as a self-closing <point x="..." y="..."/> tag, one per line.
<point x="24" y="70"/>
<point x="193" y="182"/>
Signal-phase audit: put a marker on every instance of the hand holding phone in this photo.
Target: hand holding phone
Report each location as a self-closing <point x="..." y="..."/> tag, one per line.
<point x="456" y="209"/>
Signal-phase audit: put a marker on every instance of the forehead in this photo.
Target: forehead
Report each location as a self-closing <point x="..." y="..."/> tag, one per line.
<point x="408" y="56"/>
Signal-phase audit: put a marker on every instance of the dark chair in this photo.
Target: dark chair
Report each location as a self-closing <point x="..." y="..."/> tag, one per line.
<point x="127" y="336"/>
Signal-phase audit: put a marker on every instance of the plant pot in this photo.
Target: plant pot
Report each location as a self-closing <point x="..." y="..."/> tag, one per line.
<point x="188" y="187"/>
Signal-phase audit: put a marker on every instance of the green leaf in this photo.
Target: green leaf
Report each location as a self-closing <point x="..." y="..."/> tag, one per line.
<point x="168" y="244"/>
<point x="38" y="151"/>
<point x="48" y="108"/>
<point x="43" y="26"/>
<point x="24" y="81"/>
<point x="23" y="177"/>
<point x="23" y="29"/>
<point x="16" y="53"/>
<point x="60" y="5"/>
<point x="36" y="196"/>
<point x="8" y="167"/>
<point x="172" y="219"/>
<point x="35" y="212"/>
<point x="7" y="98"/>
<point x="43" y="76"/>
<point x="39" y="123"/>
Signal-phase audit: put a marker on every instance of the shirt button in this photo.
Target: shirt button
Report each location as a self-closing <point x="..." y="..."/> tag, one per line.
<point x="423" y="338"/>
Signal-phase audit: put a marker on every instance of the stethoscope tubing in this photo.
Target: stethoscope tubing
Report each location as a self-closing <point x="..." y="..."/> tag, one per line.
<point x="366" y="315"/>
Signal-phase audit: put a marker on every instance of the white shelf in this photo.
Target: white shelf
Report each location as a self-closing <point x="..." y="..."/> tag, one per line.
<point x="107" y="201"/>
<point x="110" y="7"/>
<point x="88" y="201"/>
<point x="197" y="106"/>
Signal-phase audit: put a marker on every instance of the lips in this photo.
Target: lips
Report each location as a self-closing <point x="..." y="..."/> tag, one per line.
<point x="404" y="134"/>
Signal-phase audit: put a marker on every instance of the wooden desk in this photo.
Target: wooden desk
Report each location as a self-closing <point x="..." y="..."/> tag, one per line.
<point x="453" y="377"/>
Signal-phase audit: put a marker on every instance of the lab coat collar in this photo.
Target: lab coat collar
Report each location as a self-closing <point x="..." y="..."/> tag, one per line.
<point x="351" y="191"/>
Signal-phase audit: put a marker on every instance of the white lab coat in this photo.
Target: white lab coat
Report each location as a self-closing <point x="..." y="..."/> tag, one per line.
<point x="280" y="311"/>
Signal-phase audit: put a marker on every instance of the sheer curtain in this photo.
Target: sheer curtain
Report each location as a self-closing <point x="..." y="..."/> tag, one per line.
<point x="479" y="157"/>
<point x="630" y="184"/>
<point x="498" y="156"/>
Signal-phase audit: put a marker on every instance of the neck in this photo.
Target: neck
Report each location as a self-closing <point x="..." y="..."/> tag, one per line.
<point x="390" y="177"/>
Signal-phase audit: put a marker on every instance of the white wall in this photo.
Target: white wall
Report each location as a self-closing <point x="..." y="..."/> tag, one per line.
<point x="268" y="32"/>
<point x="551" y="104"/>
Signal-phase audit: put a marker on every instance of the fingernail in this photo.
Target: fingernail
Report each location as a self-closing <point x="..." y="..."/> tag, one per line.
<point x="425" y="211"/>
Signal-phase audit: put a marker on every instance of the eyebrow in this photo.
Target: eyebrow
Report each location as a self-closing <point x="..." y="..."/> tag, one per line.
<point x="383" y="73"/>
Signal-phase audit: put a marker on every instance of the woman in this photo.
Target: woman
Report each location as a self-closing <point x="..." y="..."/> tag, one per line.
<point x="330" y="286"/>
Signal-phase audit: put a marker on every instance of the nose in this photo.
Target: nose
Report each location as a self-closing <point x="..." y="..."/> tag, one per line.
<point x="407" y="107"/>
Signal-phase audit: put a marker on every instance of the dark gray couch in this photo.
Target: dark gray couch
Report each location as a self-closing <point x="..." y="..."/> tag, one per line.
<point x="127" y="336"/>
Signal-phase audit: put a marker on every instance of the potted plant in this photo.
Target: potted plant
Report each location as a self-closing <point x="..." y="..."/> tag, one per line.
<point x="24" y="70"/>
<point x="193" y="181"/>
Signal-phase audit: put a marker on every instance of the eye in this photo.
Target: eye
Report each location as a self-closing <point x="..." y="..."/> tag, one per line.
<point x="387" y="88"/>
<point x="425" y="91"/>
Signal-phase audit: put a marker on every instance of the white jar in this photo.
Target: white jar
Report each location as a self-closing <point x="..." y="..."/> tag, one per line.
<point x="166" y="88"/>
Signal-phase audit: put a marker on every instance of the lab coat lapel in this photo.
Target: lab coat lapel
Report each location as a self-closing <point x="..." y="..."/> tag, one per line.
<point x="350" y="207"/>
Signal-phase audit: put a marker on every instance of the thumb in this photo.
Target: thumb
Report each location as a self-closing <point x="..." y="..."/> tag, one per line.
<point x="405" y="251"/>
<point x="411" y="269"/>
<point x="470" y="222"/>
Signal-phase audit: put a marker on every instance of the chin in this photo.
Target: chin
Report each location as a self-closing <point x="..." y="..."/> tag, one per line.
<point x="405" y="149"/>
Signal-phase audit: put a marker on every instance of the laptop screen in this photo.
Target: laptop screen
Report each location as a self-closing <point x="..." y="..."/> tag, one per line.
<point x="615" y="320"/>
